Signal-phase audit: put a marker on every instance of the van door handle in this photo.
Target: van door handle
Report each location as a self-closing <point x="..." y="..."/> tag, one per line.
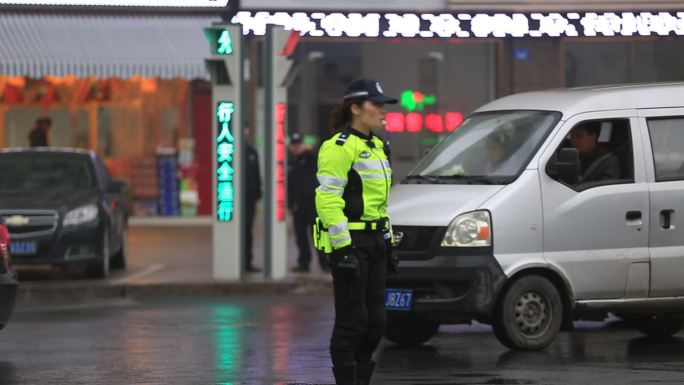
<point x="633" y="218"/>
<point x="666" y="217"/>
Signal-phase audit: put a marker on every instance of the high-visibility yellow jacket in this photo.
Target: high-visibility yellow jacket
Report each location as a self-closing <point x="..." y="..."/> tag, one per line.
<point x="355" y="179"/>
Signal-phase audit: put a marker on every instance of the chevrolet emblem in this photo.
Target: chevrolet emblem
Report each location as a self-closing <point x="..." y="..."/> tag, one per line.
<point x="17" y="220"/>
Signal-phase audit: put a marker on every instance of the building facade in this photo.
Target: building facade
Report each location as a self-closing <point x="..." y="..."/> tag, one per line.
<point x="131" y="83"/>
<point x="128" y="82"/>
<point x="446" y="58"/>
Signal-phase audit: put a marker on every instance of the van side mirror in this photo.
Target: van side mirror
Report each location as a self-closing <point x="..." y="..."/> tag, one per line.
<point x="568" y="165"/>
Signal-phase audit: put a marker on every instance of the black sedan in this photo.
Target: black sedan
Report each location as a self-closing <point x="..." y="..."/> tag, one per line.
<point x="62" y="208"/>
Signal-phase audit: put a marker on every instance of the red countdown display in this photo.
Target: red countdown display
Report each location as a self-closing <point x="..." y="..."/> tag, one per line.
<point x="416" y="122"/>
<point x="280" y="161"/>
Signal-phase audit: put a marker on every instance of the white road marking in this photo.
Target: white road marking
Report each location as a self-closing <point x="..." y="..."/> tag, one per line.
<point x="149" y="270"/>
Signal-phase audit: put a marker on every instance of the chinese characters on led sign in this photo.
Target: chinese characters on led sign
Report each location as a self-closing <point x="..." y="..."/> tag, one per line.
<point x="224" y="43"/>
<point x="225" y="149"/>
<point x="465" y="25"/>
<point x="280" y="161"/>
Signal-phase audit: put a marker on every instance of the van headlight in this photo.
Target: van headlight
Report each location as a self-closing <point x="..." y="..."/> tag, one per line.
<point x="80" y="215"/>
<point x="472" y="229"/>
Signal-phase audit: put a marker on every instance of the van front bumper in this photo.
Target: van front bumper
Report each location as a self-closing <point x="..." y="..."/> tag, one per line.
<point x="457" y="288"/>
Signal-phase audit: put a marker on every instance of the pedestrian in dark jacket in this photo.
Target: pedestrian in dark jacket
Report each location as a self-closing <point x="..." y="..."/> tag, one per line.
<point x="301" y="185"/>
<point x="253" y="196"/>
<point x="38" y="137"/>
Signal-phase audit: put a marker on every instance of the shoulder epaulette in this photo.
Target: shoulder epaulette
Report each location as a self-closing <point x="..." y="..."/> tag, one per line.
<point x="342" y="138"/>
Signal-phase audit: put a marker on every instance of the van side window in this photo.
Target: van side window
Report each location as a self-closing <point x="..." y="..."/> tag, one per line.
<point x="594" y="153"/>
<point x="667" y="141"/>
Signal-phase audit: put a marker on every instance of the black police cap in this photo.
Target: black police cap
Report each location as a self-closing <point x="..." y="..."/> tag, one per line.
<point x="368" y="89"/>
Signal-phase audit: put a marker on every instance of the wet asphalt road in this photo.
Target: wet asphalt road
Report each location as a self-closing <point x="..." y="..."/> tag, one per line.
<point x="284" y="340"/>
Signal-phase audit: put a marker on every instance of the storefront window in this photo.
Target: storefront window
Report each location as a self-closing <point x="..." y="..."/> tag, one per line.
<point x="129" y="122"/>
<point x="65" y="132"/>
<point x="119" y="132"/>
<point x="590" y="63"/>
<point x="458" y="78"/>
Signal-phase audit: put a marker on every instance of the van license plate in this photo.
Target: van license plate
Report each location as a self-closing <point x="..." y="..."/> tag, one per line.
<point x="396" y="299"/>
<point x="19" y="248"/>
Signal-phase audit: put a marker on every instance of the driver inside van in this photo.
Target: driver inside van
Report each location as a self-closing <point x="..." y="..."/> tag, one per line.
<point x="597" y="163"/>
<point x="496" y="152"/>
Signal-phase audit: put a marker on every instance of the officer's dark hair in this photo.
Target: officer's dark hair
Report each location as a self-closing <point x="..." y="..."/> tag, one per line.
<point x="342" y="116"/>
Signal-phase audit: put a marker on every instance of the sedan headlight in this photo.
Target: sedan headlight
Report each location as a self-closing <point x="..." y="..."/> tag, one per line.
<point x="472" y="229"/>
<point x="80" y="215"/>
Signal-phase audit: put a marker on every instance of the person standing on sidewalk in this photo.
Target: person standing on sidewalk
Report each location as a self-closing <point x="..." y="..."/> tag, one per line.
<point x="253" y="196"/>
<point x="355" y="179"/>
<point x="38" y="136"/>
<point x="301" y="185"/>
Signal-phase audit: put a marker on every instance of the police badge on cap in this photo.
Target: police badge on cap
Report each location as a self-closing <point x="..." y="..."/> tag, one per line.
<point x="368" y="89"/>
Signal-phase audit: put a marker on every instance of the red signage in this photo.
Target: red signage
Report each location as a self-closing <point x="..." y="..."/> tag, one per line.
<point x="416" y="122"/>
<point x="280" y="161"/>
<point x="291" y="44"/>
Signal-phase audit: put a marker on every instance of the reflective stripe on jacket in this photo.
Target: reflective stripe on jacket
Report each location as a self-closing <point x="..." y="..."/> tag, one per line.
<point x="355" y="179"/>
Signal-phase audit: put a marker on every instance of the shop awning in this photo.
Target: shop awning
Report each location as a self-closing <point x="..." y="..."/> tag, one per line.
<point x="122" y="45"/>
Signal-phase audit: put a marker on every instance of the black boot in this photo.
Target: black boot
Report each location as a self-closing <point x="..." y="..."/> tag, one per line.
<point x="345" y="375"/>
<point x="364" y="371"/>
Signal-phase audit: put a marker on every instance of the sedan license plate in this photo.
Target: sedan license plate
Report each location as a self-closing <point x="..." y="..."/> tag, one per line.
<point x="19" y="248"/>
<point x="396" y="299"/>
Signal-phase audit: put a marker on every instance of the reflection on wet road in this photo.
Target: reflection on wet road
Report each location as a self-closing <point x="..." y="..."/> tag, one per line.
<point x="284" y="340"/>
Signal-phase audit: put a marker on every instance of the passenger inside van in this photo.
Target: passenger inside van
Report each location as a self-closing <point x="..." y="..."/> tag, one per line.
<point x="597" y="163"/>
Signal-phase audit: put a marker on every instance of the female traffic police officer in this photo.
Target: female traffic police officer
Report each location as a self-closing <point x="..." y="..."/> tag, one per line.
<point x="355" y="179"/>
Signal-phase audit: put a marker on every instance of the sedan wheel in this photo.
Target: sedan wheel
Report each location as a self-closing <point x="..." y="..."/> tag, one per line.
<point x="100" y="269"/>
<point x="119" y="259"/>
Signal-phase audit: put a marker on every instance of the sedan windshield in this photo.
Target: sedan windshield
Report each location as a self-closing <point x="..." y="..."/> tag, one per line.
<point x="43" y="171"/>
<point x="488" y="148"/>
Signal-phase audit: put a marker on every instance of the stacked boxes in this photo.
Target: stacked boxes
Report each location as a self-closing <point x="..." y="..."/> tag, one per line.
<point x="187" y="167"/>
<point x="168" y="201"/>
<point x="144" y="186"/>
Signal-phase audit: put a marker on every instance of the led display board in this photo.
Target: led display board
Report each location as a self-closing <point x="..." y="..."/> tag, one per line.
<point x="225" y="148"/>
<point x="280" y="161"/>
<point x="417" y="122"/>
<point x="124" y="3"/>
<point x="465" y="25"/>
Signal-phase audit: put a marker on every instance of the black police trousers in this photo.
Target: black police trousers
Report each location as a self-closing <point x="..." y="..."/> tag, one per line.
<point x="360" y="316"/>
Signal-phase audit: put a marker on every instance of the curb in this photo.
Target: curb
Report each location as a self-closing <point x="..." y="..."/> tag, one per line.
<point x="95" y="290"/>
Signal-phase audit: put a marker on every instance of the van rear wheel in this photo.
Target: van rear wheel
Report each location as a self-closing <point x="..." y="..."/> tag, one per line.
<point x="659" y="326"/>
<point x="410" y="329"/>
<point x="529" y="315"/>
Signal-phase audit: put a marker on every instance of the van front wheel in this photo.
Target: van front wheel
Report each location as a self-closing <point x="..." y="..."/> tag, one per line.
<point x="410" y="329"/>
<point x="529" y="315"/>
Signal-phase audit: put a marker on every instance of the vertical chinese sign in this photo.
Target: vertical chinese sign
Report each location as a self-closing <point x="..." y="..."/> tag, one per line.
<point x="280" y="114"/>
<point x="225" y="148"/>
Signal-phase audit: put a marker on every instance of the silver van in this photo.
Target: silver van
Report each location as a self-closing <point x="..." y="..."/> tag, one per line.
<point x="544" y="208"/>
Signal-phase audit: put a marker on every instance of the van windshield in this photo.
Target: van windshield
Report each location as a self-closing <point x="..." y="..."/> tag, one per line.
<point x="488" y="148"/>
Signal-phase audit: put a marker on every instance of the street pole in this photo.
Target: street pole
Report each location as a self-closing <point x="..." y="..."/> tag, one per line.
<point x="225" y="68"/>
<point x="276" y="69"/>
